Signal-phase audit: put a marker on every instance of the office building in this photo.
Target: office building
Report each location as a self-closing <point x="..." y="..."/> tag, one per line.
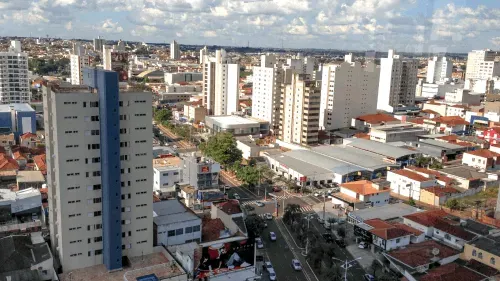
<point x="348" y="90"/>
<point x="481" y="65"/>
<point x="203" y="53"/>
<point x="200" y="172"/>
<point x="439" y="69"/>
<point x="220" y="84"/>
<point x="266" y="92"/>
<point x="398" y="81"/>
<point x="77" y="64"/>
<point x="99" y="44"/>
<point x="116" y="61"/>
<point x="99" y="172"/>
<point x="14" y="83"/>
<point x="175" y="51"/>
<point x="299" y="112"/>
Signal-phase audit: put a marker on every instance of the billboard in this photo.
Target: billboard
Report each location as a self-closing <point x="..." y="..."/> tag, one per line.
<point x="119" y="63"/>
<point x="223" y="258"/>
<point x="205" y="169"/>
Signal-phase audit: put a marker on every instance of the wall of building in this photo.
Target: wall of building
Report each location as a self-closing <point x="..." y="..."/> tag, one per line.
<point x="166" y="177"/>
<point x="391" y="243"/>
<point x="428" y="231"/>
<point x="165" y="239"/>
<point x="407" y="187"/>
<point x="467" y="255"/>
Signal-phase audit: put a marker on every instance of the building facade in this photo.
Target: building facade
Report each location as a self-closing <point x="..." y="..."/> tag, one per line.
<point x="439" y="69"/>
<point x="99" y="44"/>
<point x="398" y="81"/>
<point x="99" y="172"/>
<point x="78" y="63"/>
<point x="175" y="51"/>
<point x="299" y="111"/>
<point x="14" y="82"/>
<point x="481" y="65"/>
<point x="348" y="90"/>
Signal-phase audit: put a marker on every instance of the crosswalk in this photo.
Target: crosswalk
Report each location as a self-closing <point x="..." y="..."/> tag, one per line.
<point x="303" y="209"/>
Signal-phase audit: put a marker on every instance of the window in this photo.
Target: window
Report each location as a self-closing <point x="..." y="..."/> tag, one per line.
<point x="94" y="146"/>
<point x="123" y="117"/>
<point x="94" y="104"/>
<point x="96" y="160"/>
<point x="196" y="228"/>
<point x="140" y="128"/>
<point x="123" y="157"/>
<point x="141" y="154"/>
<point x="140" y="141"/>
<point x="73" y="187"/>
<point x="98" y="252"/>
<point x="140" y="101"/>
<point x="94" y="132"/>
<point x="140" y="218"/>
<point x="171" y="233"/>
<point x="140" y="114"/>
<point x="492" y="261"/>
<point x="73" y="201"/>
<point x="140" y="167"/>
<point x="98" y="239"/>
<point x="141" y="192"/>
<point x="74" y="255"/>
<point x="480" y="255"/>
<point x="76" y="241"/>
<point x="96" y="173"/>
<point x="141" y="242"/>
<point x="179" y="231"/>
<point x="94" y="118"/>
<point x="447" y="236"/>
<point x="124" y="144"/>
<point x="123" y="130"/>
<point x="189" y="229"/>
<point x="398" y="240"/>
<point x="141" y="205"/>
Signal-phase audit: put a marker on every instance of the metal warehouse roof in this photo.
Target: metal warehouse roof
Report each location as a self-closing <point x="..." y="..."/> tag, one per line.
<point x="354" y="156"/>
<point x="379" y="148"/>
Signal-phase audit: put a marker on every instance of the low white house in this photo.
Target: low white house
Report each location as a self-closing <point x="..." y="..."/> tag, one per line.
<point x="386" y="235"/>
<point x="408" y="183"/>
<point x="361" y="194"/>
<point x="175" y="224"/>
<point x="483" y="159"/>
<point x="166" y="172"/>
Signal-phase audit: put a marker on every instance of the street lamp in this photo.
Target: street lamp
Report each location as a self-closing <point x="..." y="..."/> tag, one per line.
<point x="346" y="263"/>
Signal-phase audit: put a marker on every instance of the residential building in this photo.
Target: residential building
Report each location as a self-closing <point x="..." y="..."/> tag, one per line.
<point x="365" y="122"/>
<point x="77" y="64"/>
<point x="18" y="118"/>
<point x="195" y="113"/>
<point x="236" y="125"/>
<point x="482" y="159"/>
<point x="116" y="61"/>
<point x="348" y="90"/>
<point x="7" y="139"/>
<point x="437" y="195"/>
<point x="385" y="212"/>
<point x="200" y="172"/>
<point x="99" y="172"/>
<point x="203" y="53"/>
<point x="452" y="271"/>
<point x="99" y="44"/>
<point x="167" y="174"/>
<point x="396" y="132"/>
<point x="175" y="224"/>
<point x="266" y="90"/>
<point x="175" y="51"/>
<point x="467" y="178"/>
<point x="408" y="183"/>
<point x="26" y="257"/>
<point x="20" y="211"/>
<point x="179" y="77"/>
<point x="481" y="65"/>
<point x="28" y="179"/>
<point x="14" y="85"/>
<point x="440" y="89"/>
<point x="299" y="111"/>
<point x="40" y="163"/>
<point x="447" y="125"/>
<point x="29" y="140"/>
<point x="464" y="96"/>
<point x="440" y="226"/>
<point x="439" y="69"/>
<point x="386" y="236"/>
<point x="249" y="147"/>
<point x="398" y="81"/>
<point x="361" y="194"/>
<point x="172" y="98"/>
<point x="220" y="84"/>
<point x="301" y="65"/>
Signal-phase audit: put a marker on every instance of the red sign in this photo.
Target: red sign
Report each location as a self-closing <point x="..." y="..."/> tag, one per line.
<point x="205" y="169"/>
<point x="303" y="179"/>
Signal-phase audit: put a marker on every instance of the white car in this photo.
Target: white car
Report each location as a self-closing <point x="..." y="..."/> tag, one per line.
<point x="363" y="245"/>
<point x="260" y="204"/>
<point x="268" y="266"/>
<point x="236" y="196"/>
<point x="272" y="236"/>
<point x="259" y="243"/>
<point x="296" y="264"/>
<point x="272" y="274"/>
<point x="268" y="216"/>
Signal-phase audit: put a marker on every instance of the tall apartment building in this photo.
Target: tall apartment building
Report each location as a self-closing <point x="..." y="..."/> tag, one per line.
<point x="203" y="53"/>
<point x="481" y="65"/>
<point x="99" y="172"/>
<point x="299" y="111"/>
<point x="398" y="81"/>
<point x="301" y="65"/>
<point x="14" y="83"/>
<point x="77" y="64"/>
<point x="99" y="44"/>
<point x="266" y="92"/>
<point x="439" y="69"/>
<point x="348" y="90"/>
<point x="220" y="84"/>
<point x="175" y="51"/>
<point x="78" y="49"/>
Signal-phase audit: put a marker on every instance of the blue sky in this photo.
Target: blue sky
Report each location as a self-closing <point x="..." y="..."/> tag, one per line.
<point x="406" y="25"/>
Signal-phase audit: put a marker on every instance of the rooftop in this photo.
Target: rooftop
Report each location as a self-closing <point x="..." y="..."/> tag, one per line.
<point x="230" y="207"/>
<point x="451" y="120"/>
<point x="379" y="148"/>
<point x="212" y="229"/>
<point x="363" y="187"/>
<point x="167" y="162"/>
<point x="420" y="254"/>
<point x="21" y="252"/>
<point x="234" y="120"/>
<point x="477" y="227"/>
<point x="439" y="220"/>
<point x="172" y="211"/>
<point x="441" y="144"/>
<point x="411" y="175"/>
<point x="485" y="153"/>
<point x="489" y="243"/>
<point x="385" y="212"/>
<point x="437" y="175"/>
<point x="30" y="176"/>
<point x="451" y="272"/>
<point x="377" y="118"/>
<point x="465" y="172"/>
<point x="16" y="107"/>
<point x="441" y="191"/>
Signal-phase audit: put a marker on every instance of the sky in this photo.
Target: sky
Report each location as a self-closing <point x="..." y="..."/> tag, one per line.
<point x="405" y="25"/>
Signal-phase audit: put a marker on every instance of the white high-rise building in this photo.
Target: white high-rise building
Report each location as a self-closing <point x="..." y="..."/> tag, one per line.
<point x="266" y="92"/>
<point x="99" y="43"/>
<point x="301" y="65"/>
<point x="14" y="83"/>
<point x="299" y="111"/>
<point x="481" y="65"/>
<point x="398" y="81"/>
<point x="77" y="63"/>
<point x="348" y="90"/>
<point x="175" y="51"/>
<point x="439" y="69"/>
<point x="220" y="84"/>
<point x="99" y="172"/>
<point x="203" y="53"/>
<point x="78" y="49"/>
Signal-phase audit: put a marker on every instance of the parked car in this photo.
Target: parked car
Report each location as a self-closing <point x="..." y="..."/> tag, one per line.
<point x="328" y="237"/>
<point x="236" y="196"/>
<point x="268" y="216"/>
<point x="276" y="188"/>
<point x="259" y="243"/>
<point x="296" y="264"/>
<point x="260" y="204"/>
<point x="340" y="243"/>
<point x="272" y="274"/>
<point x="316" y="194"/>
<point x="327" y="225"/>
<point x="272" y="236"/>
<point x="268" y="266"/>
<point x="321" y="221"/>
<point x="363" y="245"/>
<point x="368" y="277"/>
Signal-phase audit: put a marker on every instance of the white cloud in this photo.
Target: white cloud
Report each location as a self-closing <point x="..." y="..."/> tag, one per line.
<point x="68" y="26"/>
<point x="108" y="26"/>
<point x="495" y="41"/>
<point x="144" y="30"/>
<point x="209" y="33"/>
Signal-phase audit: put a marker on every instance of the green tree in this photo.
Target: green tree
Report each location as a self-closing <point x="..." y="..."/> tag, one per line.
<point x="248" y="175"/>
<point x="453" y="204"/>
<point x="222" y="148"/>
<point x="436" y="165"/>
<point x="411" y="202"/>
<point x="292" y="213"/>
<point x="422" y="161"/>
<point x="255" y="225"/>
<point x="341" y="232"/>
<point x="375" y="266"/>
<point x="162" y="115"/>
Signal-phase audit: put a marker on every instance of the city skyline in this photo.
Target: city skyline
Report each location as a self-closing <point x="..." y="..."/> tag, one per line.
<point x="406" y="25"/>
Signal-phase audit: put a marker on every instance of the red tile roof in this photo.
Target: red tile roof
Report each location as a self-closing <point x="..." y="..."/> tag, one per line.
<point x="418" y="120"/>
<point x="377" y="118"/>
<point x="448" y="138"/>
<point x="436" y="219"/>
<point x="40" y="163"/>
<point x="437" y="175"/>
<point x="390" y="233"/>
<point x="451" y="272"/>
<point x="411" y="175"/>
<point x="415" y="255"/>
<point x="408" y="228"/>
<point x="485" y="153"/>
<point x="7" y="163"/>
<point x="211" y="229"/>
<point x="378" y="223"/>
<point x="441" y="191"/>
<point x="430" y="112"/>
<point x="230" y="207"/>
<point x="27" y="135"/>
<point x="362" y="136"/>
<point x="363" y="187"/>
<point x="450" y="120"/>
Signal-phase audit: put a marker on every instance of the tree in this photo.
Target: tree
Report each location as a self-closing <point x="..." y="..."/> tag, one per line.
<point x="222" y="148"/>
<point x="248" y="175"/>
<point x="375" y="266"/>
<point x="411" y="202"/>
<point x="292" y="213"/>
<point x="422" y="161"/>
<point x="436" y="165"/>
<point x="453" y="204"/>
<point x="341" y="232"/>
<point x="255" y="225"/>
<point x="162" y="115"/>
